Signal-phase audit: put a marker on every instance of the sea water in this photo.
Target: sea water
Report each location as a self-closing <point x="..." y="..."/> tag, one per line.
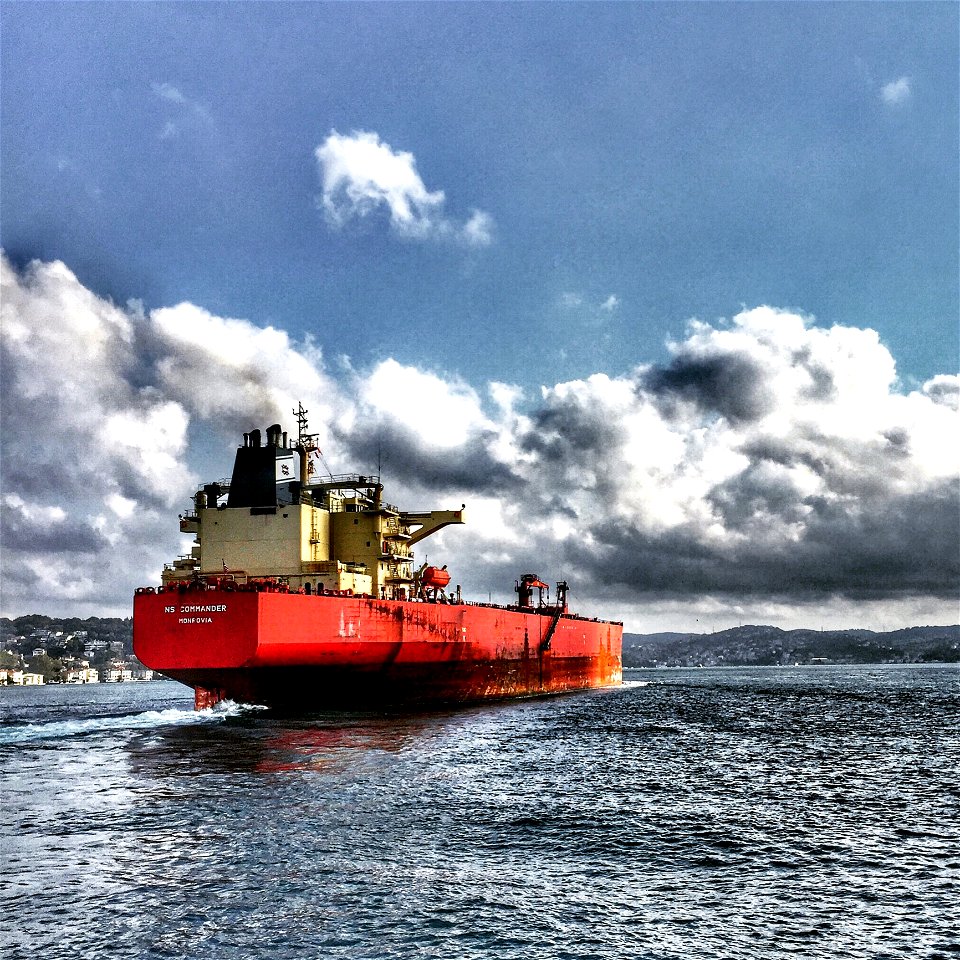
<point x="781" y="812"/>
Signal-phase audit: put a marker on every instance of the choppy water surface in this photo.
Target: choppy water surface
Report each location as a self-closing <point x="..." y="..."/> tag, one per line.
<point x="810" y="812"/>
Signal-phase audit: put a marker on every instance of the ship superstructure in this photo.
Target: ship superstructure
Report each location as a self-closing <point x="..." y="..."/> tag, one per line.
<point x="279" y="516"/>
<point x="301" y="591"/>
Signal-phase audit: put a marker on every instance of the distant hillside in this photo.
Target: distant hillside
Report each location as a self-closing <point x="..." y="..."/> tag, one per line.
<point x="767" y="646"/>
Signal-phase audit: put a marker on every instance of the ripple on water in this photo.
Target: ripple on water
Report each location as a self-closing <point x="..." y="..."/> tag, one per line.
<point x="721" y="814"/>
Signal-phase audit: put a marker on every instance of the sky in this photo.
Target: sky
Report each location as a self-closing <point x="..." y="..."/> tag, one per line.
<point x="666" y="294"/>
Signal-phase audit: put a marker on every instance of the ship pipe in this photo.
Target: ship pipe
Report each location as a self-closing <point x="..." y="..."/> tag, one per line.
<point x="304" y="478"/>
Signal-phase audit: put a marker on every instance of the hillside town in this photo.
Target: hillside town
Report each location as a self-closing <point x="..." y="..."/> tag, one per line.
<point x="37" y="650"/>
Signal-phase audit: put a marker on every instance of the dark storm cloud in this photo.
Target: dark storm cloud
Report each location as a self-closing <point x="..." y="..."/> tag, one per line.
<point x="28" y="462"/>
<point x="730" y="385"/>
<point x="20" y="531"/>
<point x="887" y="546"/>
<point x="847" y="467"/>
<point x="877" y="551"/>
<point x="405" y="457"/>
<point x="21" y="580"/>
<point x="576" y="446"/>
<point x="669" y="564"/>
<point x="566" y="432"/>
<point x="752" y="492"/>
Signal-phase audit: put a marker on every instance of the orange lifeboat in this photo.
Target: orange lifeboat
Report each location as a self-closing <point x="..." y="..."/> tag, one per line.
<point x="435" y="577"/>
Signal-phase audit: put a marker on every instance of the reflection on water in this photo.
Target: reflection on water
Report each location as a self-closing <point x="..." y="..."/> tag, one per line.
<point x="258" y="742"/>
<point x="340" y="743"/>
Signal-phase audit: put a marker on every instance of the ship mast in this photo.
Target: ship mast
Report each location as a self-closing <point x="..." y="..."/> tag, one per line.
<point x="301" y="415"/>
<point x="306" y="442"/>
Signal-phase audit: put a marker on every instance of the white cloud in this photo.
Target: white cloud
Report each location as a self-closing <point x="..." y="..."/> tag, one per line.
<point x="169" y="92"/>
<point x="772" y="465"/>
<point x="151" y="442"/>
<point x="896" y="92"/>
<point x="230" y="370"/>
<point x="571" y="300"/>
<point x="361" y="175"/>
<point x="186" y="112"/>
<point x="35" y="513"/>
<point x="123" y="507"/>
<point x="478" y="230"/>
<point x="611" y="303"/>
<point x="438" y="412"/>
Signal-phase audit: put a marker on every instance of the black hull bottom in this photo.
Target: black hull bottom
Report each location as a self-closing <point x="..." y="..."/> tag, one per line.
<point x="314" y="689"/>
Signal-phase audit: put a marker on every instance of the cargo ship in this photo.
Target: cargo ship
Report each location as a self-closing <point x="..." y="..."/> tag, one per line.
<point x="301" y="592"/>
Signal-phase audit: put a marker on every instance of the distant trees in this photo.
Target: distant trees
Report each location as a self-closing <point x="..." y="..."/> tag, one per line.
<point x="22" y="635"/>
<point x="51" y="668"/>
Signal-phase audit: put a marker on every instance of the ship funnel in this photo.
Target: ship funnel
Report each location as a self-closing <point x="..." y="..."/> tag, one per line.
<point x="273" y="435"/>
<point x="254" y="438"/>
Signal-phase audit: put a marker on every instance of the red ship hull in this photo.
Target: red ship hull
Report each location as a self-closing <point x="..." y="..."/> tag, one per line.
<point x="300" y="652"/>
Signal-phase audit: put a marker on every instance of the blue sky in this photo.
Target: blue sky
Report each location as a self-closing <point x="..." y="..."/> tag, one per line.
<point x="688" y="159"/>
<point x="460" y="195"/>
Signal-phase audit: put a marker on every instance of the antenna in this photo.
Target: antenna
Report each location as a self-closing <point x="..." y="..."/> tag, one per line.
<point x="301" y="416"/>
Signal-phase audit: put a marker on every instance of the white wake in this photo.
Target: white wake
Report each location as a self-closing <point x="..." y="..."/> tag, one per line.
<point x="148" y="720"/>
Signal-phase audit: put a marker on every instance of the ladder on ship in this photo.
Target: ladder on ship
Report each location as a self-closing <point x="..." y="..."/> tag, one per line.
<point x="551" y="630"/>
<point x="561" y="609"/>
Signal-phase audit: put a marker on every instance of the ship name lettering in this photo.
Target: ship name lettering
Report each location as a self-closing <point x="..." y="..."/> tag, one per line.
<point x="204" y="608"/>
